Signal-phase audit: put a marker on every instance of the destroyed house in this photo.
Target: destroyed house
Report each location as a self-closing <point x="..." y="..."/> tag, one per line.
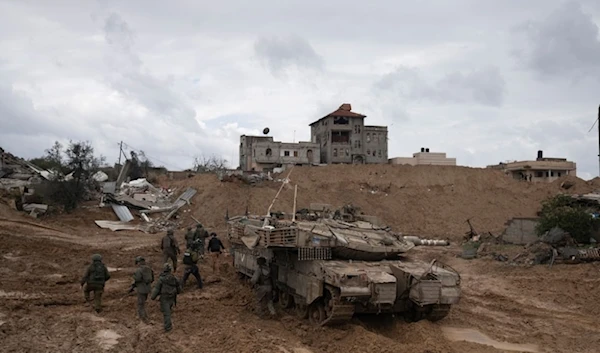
<point x="344" y="138"/>
<point x="262" y="153"/>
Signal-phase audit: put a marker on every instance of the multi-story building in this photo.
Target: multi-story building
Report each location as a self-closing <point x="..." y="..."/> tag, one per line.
<point x="344" y="138"/>
<point x="425" y="158"/>
<point x="261" y="153"/>
<point x="543" y="169"/>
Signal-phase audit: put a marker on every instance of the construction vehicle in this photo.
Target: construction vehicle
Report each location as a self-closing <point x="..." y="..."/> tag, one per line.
<point x="330" y="265"/>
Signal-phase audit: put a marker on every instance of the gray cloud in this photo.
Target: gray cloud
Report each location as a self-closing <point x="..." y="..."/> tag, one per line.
<point x="279" y="53"/>
<point x="483" y="86"/>
<point x="564" y="43"/>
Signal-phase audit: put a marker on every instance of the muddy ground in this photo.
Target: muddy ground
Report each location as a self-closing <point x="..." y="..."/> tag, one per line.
<point x="504" y="308"/>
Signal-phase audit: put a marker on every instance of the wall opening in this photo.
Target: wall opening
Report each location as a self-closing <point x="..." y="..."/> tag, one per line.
<point x="340" y="136"/>
<point x="341" y="121"/>
<point x="309" y="156"/>
<point x="269" y="152"/>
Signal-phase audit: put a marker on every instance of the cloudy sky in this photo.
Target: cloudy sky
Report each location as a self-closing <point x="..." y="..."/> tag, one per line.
<point x="485" y="81"/>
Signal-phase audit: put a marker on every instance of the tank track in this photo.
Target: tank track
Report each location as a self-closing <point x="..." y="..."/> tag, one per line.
<point x="340" y="313"/>
<point x="438" y="312"/>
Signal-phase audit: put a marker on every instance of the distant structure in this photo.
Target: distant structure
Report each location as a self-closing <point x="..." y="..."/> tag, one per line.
<point x="425" y="158"/>
<point x="261" y="153"/>
<point x="344" y="138"/>
<point x="338" y="137"/>
<point x="543" y="169"/>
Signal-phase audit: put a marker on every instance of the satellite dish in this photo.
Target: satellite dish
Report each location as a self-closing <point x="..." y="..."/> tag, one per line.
<point x="266" y="130"/>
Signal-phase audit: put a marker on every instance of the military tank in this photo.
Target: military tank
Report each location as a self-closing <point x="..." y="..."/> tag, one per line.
<point x="330" y="265"/>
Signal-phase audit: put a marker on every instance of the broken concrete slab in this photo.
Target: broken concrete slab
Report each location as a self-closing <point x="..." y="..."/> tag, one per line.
<point x="122" y="212"/>
<point x="38" y="207"/>
<point x="145" y="197"/>
<point x="115" y="226"/>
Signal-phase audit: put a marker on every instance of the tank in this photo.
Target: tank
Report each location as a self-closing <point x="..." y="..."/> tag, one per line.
<point x="329" y="266"/>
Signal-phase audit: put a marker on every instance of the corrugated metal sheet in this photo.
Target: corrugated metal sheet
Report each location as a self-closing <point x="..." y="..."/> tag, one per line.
<point x="187" y="194"/>
<point x="122" y="212"/>
<point x="183" y="199"/>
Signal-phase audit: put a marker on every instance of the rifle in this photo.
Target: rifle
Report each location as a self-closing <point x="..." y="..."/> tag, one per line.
<point x="131" y="289"/>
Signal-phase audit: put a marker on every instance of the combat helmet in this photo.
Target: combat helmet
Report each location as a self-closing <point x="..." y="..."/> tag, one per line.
<point x="139" y="259"/>
<point x="167" y="267"/>
<point x="170" y="232"/>
<point x="96" y="257"/>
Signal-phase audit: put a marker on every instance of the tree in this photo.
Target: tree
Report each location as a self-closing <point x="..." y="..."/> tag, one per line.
<point x="564" y="212"/>
<point x="52" y="159"/>
<point x="211" y="164"/>
<point x="82" y="163"/>
<point x="140" y="165"/>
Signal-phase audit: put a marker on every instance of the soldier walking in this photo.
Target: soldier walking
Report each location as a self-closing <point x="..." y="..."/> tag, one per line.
<point x="201" y="234"/>
<point x="94" y="279"/>
<point x="167" y="288"/>
<point x="190" y="260"/>
<point x="214" y="247"/>
<point x="170" y="249"/>
<point x="263" y="287"/>
<point x="143" y="278"/>
<point x="189" y="237"/>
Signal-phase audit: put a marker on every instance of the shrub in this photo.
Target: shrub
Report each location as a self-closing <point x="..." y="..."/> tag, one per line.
<point x="564" y="212"/>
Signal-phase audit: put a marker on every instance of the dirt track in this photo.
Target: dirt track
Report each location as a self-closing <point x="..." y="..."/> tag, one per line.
<point x="42" y="309"/>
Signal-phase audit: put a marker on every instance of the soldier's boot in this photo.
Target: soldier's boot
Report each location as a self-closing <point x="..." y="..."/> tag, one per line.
<point x="271" y="308"/>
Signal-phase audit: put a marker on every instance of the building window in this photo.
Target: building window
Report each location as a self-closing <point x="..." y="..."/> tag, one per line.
<point x="269" y="152"/>
<point x="357" y="129"/>
<point x="340" y="136"/>
<point x="335" y="152"/>
<point x="374" y="153"/>
<point x="286" y="153"/>
<point x="347" y="152"/>
<point x="539" y="174"/>
<point x="295" y="153"/>
<point x="368" y="152"/>
<point x="358" y="143"/>
<point x="341" y="121"/>
<point x="368" y="137"/>
<point x="551" y="173"/>
<point x="559" y="174"/>
<point x="379" y="153"/>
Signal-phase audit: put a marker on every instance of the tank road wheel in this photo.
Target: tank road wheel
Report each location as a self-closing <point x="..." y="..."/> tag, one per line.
<point x="316" y="313"/>
<point x="301" y="311"/>
<point x="285" y="299"/>
<point x="415" y="313"/>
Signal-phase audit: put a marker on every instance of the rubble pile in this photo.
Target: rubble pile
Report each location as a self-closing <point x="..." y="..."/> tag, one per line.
<point x="251" y="178"/>
<point x="19" y="179"/>
<point x="153" y="205"/>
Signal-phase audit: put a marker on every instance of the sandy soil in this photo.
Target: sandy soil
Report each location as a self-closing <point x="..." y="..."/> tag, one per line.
<point x="504" y="308"/>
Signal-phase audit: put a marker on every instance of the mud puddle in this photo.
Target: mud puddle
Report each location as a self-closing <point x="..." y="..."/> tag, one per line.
<point x="107" y="339"/>
<point x="475" y="336"/>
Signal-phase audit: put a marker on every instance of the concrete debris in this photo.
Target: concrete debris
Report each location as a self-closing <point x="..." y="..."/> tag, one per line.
<point x="426" y="242"/>
<point x="122" y="212"/>
<point x="100" y="176"/>
<point x="35" y="209"/>
<point x="115" y="226"/>
<point x="244" y="176"/>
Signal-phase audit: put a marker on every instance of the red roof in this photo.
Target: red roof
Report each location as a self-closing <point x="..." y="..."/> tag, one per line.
<point x="345" y="110"/>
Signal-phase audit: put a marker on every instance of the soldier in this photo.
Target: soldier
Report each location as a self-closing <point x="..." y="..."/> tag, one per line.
<point x="190" y="260"/>
<point x="167" y="288"/>
<point x="201" y="234"/>
<point x="189" y="237"/>
<point x="170" y="249"/>
<point x="143" y="278"/>
<point x="94" y="278"/>
<point x="214" y="247"/>
<point x="263" y="287"/>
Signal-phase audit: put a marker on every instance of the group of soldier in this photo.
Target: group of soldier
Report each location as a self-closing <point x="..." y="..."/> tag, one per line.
<point x="168" y="286"/>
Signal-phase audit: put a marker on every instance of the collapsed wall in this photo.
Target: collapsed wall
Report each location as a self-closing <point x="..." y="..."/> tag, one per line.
<point x="431" y="201"/>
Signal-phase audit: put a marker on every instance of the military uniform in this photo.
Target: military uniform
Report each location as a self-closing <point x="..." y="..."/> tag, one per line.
<point x="214" y="248"/>
<point x="167" y="288"/>
<point x="94" y="279"/>
<point x="170" y="249"/>
<point x="189" y="237"/>
<point x="143" y="278"/>
<point x="190" y="260"/>
<point x="263" y="288"/>
<point x="200" y="235"/>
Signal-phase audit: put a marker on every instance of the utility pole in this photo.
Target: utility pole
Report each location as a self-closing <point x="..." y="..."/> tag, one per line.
<point x="120" y="151"/>
<point x="598" y="140"/>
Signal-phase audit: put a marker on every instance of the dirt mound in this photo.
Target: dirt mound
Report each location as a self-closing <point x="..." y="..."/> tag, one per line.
<point x="574" y="185"/>
<point x="423" y="200"/>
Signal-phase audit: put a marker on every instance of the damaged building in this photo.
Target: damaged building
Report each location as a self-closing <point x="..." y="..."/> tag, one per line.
<point x="543" y="169"/>
<point x="262" y="153"/>
<point x="425" y="158"/>
<point x="343" y="137"/>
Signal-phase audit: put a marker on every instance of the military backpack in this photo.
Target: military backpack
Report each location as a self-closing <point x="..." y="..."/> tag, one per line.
<point x="97" y="272"/>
